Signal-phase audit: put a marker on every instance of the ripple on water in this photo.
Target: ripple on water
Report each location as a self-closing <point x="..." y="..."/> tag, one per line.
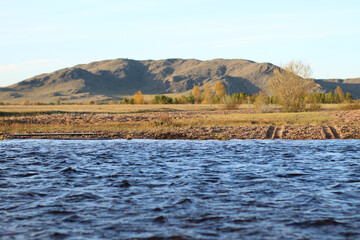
<point x="180" y="189"/>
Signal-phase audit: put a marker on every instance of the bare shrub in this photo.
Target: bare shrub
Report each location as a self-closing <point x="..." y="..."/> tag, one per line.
<point x="262" y="102"/>
<point x="291" y="84"/>
<point x="230" y="103"/>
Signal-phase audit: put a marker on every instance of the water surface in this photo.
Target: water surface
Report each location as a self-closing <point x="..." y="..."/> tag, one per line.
<point x="181" y="189"/>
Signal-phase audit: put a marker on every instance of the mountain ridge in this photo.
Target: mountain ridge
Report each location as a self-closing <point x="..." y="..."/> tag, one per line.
<point x="113" y="79"/>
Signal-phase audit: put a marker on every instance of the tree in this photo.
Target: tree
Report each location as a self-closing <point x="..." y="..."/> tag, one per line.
<point x="125" y="101"/>
<point x="208" y="94"/>
<point x="138" y="98"/>
<point x="339" y="94"/>
<point x="291" y="84"/>
<point x="262" y="101"/>
<point x="197" y="94"/>
<point x="190" y="99"/>
<point x="162" y="99"/>
<point x="220" y="90"/>
<point x="348" y="97"/>
<point x="230" y="103"/>
<point x="329" y="97"/>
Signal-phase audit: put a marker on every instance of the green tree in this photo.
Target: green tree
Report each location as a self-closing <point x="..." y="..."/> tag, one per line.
<point x="125" y="101"/>
<point x="348" y="97"/>
<point x="191" y="99"/>
<point x="329" y="97"/>
<point x="162" y="99"/>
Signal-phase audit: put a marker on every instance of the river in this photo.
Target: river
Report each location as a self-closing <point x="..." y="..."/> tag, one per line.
<point x="179" y="189"/>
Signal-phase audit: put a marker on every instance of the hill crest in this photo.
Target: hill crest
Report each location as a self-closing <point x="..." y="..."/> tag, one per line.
<point x="112" y="79"/>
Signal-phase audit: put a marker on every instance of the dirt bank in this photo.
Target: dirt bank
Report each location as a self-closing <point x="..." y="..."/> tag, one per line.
<point x="241" y="124"/>
<point x="220" y="133"/>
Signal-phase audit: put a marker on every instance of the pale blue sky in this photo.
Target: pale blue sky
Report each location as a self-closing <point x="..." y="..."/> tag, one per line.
<point x="43" y="36"/>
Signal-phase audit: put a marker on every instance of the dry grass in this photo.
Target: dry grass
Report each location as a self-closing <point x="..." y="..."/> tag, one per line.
<point x="100" y="118"/>
<point x="78" y="122"/>
<point x="123" y="108"/>
<point x="350" y="106"/>
<point x="238" y="119"/>
<point x="174" y="121"/>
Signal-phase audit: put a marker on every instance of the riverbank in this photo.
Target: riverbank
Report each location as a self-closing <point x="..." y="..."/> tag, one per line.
<point x="218" y="133"/>
<point x="185" y="123"/>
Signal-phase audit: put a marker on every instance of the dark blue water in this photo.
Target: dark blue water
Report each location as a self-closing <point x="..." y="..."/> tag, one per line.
<point x="148" y="189"/>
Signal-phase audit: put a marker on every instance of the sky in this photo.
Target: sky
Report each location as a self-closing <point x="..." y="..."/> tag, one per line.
<point x="42" y="36"/>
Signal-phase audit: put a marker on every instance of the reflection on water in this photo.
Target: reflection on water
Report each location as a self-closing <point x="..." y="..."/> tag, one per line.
<point x="117" y="189"/>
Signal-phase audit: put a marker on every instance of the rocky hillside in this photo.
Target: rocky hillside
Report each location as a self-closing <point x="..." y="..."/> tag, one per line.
<point x="112" y="79"/>
<point x="351" y="85"/>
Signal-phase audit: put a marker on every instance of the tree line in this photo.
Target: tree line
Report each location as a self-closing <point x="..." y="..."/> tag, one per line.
<point x="293" y="88"/>
<point x="218" y="95"/>
<point x="208" y="95"/>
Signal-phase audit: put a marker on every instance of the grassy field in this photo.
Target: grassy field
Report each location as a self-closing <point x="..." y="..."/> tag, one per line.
<point x="116" y="108"/>
<point x="177" y="121"/>
<point x="90" y="118"/>
<point x="234" y="119"/>
<point x="128" y="108"/>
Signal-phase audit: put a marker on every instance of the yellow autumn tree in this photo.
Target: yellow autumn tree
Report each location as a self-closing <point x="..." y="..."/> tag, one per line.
<point x="219" y="89"/>
<point x="208" y="94"/>
<point x="139" y="98"/>
<point x="339" y="94"/>
<point x="197" y="94"/>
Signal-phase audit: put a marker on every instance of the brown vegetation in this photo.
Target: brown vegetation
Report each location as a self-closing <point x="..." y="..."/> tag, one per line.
<point x="197" y="94"/>
<point x="208" y="95"/>
<point x="262" y="102"/>
<point x="291" y="85"/>
<point x="138" y="98"/>
<point x="220" y="90"/>
<point x="181" y="121"/>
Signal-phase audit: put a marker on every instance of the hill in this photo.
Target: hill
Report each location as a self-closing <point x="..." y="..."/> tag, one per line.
<point x="351" y="85"/>
<point x="112" y="79"/>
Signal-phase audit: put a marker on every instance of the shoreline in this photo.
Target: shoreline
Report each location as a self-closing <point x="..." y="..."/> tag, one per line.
<point x="189" y="123"/>
<point x="305" y="132"/>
